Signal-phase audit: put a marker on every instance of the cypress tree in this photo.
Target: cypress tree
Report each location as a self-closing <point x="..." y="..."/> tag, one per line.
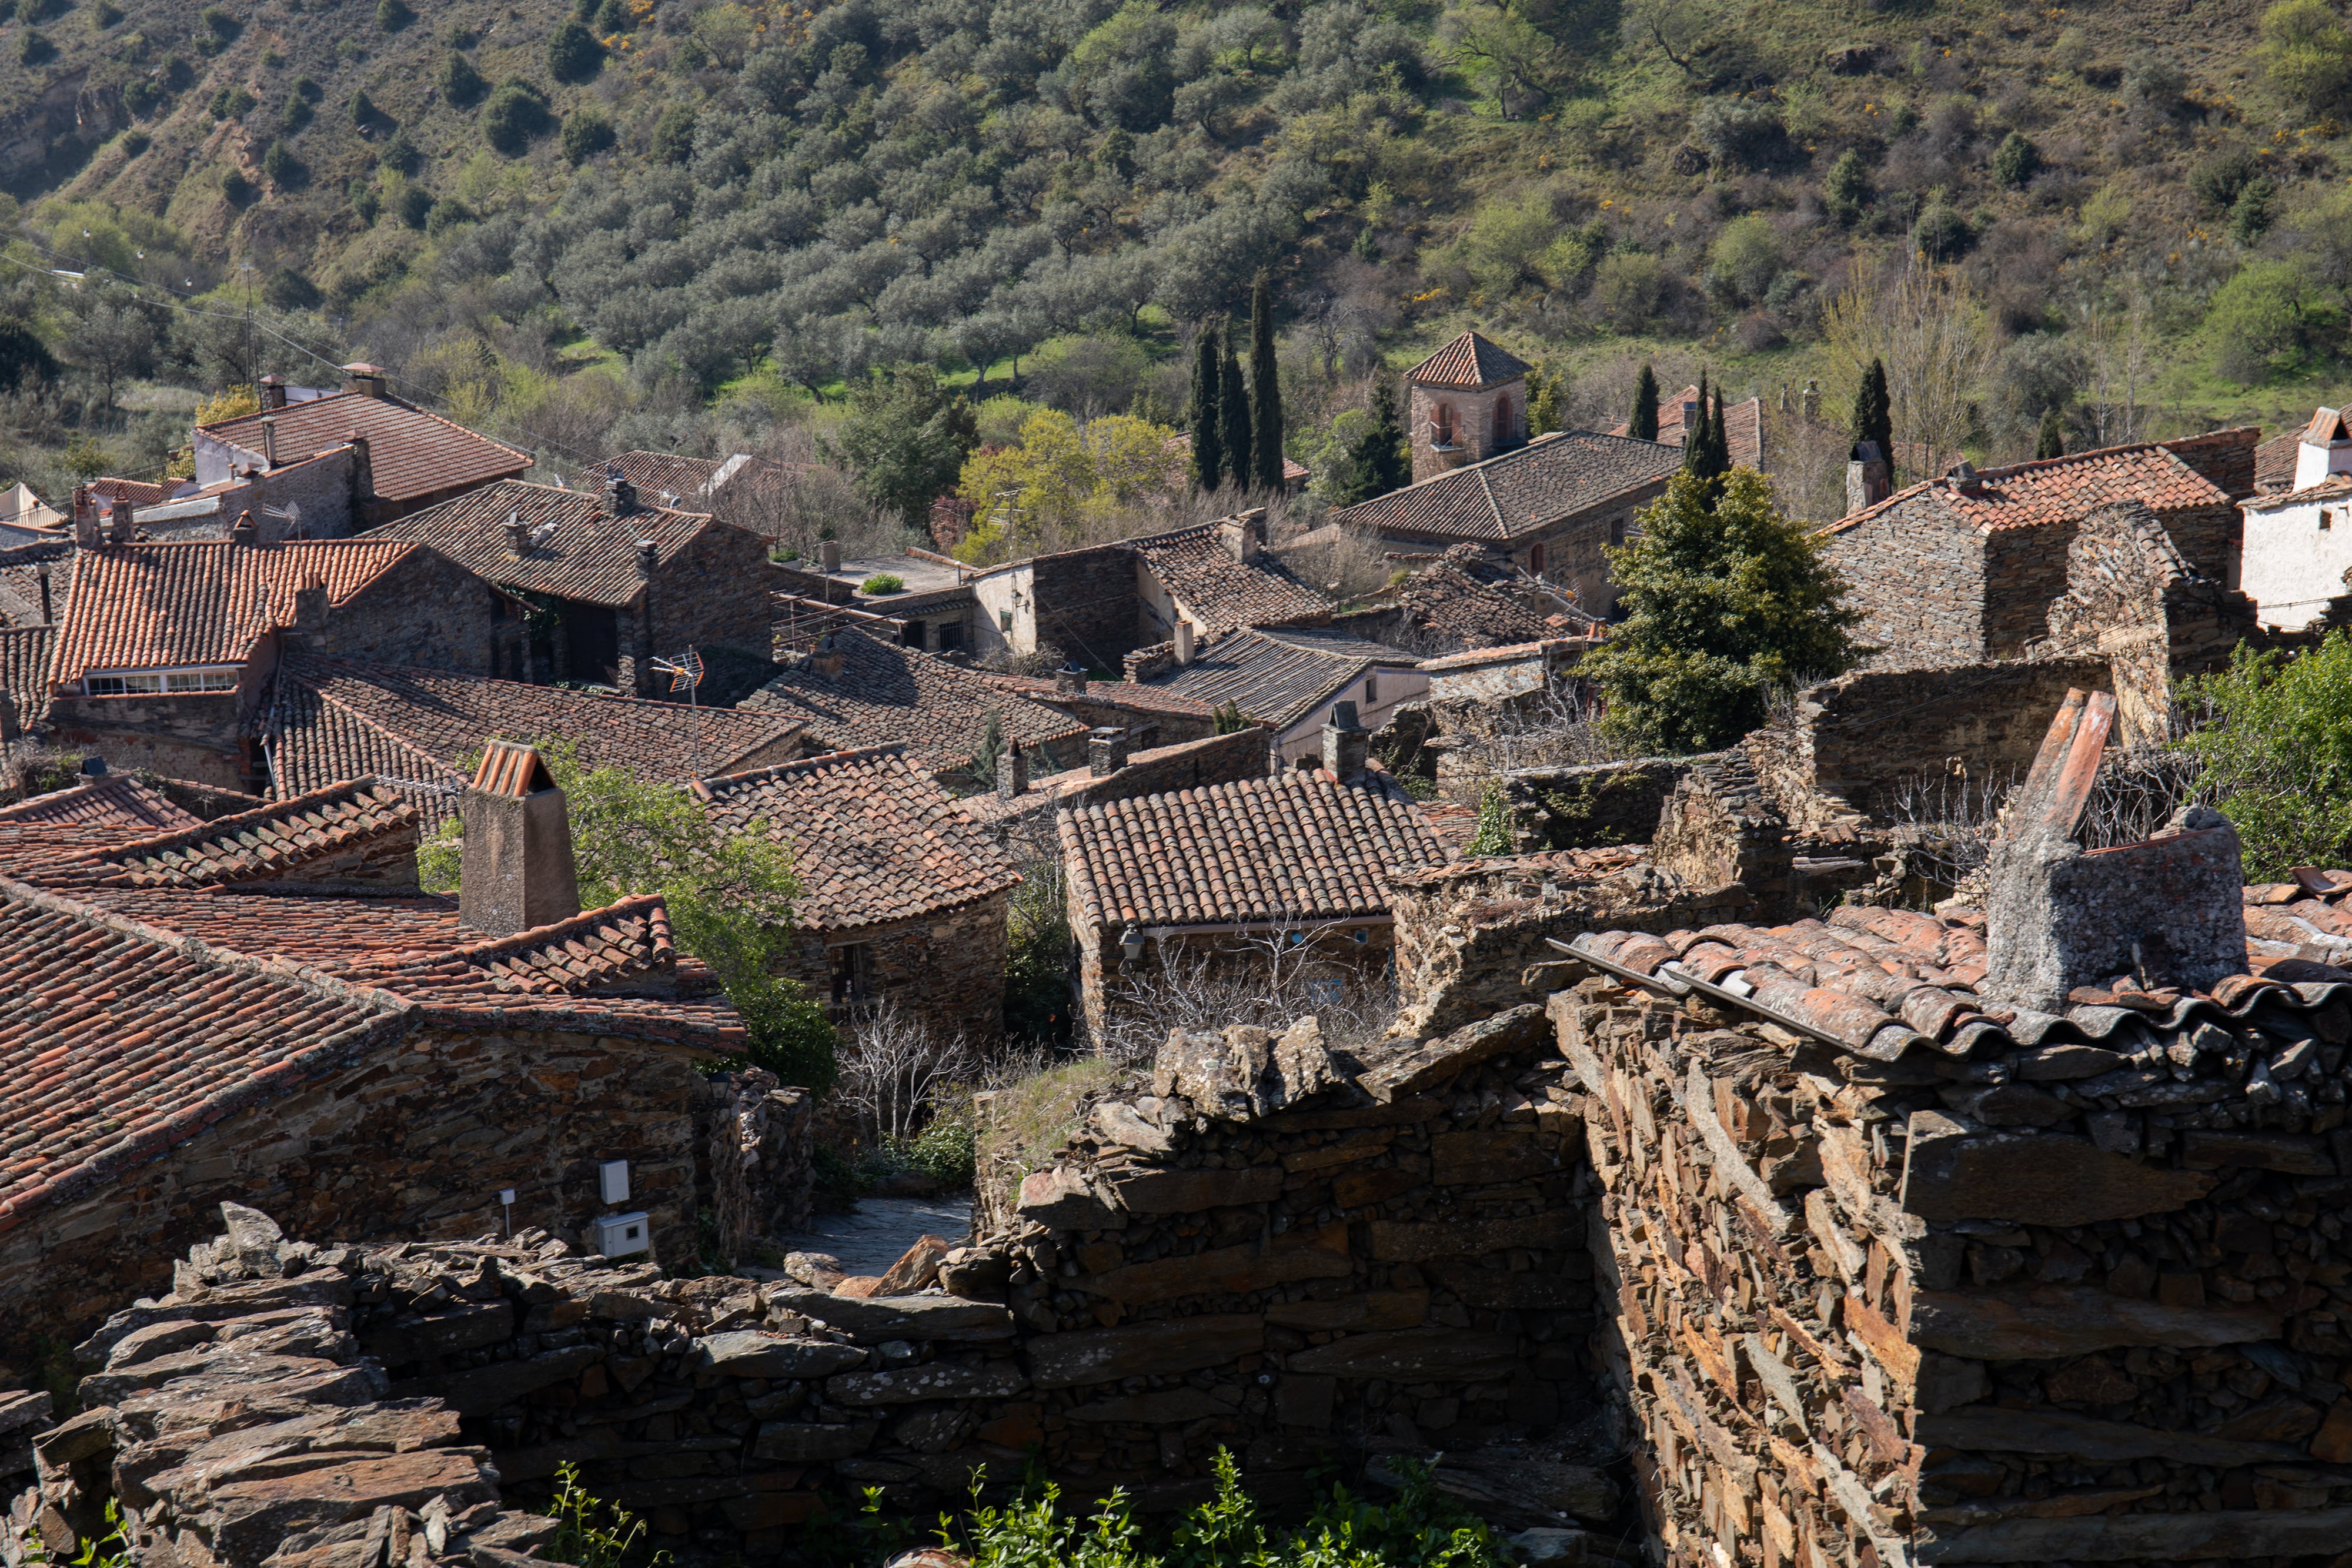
<point x="1644" y="423"/>
<point x="1707" y="456"/>
<point x="1200" y="412"/>
<point x="2052" y="441"/>
<point x="1266" y="392"/>
<point x="1234" y="418"/>
<point x="1873" y="412"/>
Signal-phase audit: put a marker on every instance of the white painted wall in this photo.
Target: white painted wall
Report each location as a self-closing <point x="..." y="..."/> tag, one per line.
<point x="2294" y="559"/>
<point x="1305" y="738"/>
<point x="1004" y="620"/>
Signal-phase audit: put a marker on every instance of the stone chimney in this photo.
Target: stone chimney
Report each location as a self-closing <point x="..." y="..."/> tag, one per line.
<point x="273" y="393"/>
<point x="1690" y="418"/>
<point x="310" y="613"/>
<point x="828" y="555"/>
<point x="517" y="536"/>
<point x="121" y="522"/>
<point x="1346" y="743"/>
<point x="1186" y="649"/>
<point x="86" y="525"/>
<point x="1070" y="681"/>
<point x="2166" y="913"/>
<point x="1239" y="535"/>
<point x="268" y="441"/>
<point x="243" y="532"/>
<point x="1810" y="400"/>
<point x="1868" y="480"/>
<point x="362" y="470"/>
<point x="1105" y="750"/>
<point x="1963" y="477"/>
<point x="827" y="657"/>
<point x="1011" y="772"/>
<point x="93" y="767"/>
<point x="363" y="378"/>
<point x="648" y="560"/>
<point x="515" y="872"/>
<point x="620" y="497"/>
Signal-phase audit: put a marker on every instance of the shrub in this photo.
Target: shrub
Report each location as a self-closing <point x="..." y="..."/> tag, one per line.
<point x="574" y="54"/>
<point x="585" y="134"/>
<point x="286" y="289"/>
<point x="2306" y="52"/>
<point x="1744" y="260"/>
<point x="673" y="134"/>
<point x="364" y="109"/>
<point x="446" y="215"/>
<point x="882" y="583"/>
<point x="2256" y="320"/>
<point x="1738" y="133"/>
<point x="237" y="187"/>
<point x="2277" y="753"/>
<point x="392" y="15"/>
<point x="104" y="15"/>
<point x="460" y="83"/>
<point x="1941" y="233"/>
<point x="414" y="207"/>
<point x="295" y="115"/>
<point x="2217" y="179"/>
<point x="614" y="16"/>
<point x="399" y="154"/>
<point x="2251" y="214"/>
<point x="134" y="142"/>
<point x="34" y="49"/>
<point x="2016" y="161"/>
<point x="364" y="200"/>
<point x="515" y="115"/>
<point x="1847" y="186"/>
<point x="231" y="104"/>
<point x="2155" y="82"/>
<point x="280" y="166"/>
<point x="141" y="97"/>
<point x="1627" y="289"/>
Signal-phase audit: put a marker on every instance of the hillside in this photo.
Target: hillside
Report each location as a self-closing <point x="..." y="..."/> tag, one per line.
<point x="687" y="219"/>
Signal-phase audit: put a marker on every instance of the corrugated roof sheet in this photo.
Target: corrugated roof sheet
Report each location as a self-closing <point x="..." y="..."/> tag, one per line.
<point x="875" y="841"/>
<point x="159" y="606"/>
<point x="410" y="452"/>
<point x="1520" y="492"/>
<point x="1470" y="361"/>
<point x="576" y="551"/>
<point x="1300" y="846"/>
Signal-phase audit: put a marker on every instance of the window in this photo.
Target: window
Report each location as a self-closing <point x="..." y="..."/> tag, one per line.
<point x="1005" y="620"/>
<point x="852" y="976"/>
<point x="911" y="634"/>
<point x="1535" y="560"/>
<point x="1503" y="420"/>
<point x="950" y="636"/>
<point x="2327" y="520"/>
<point x="1441" y="425"/>
<point x="1371" y="691"/>
<point x="143" y="682"/>
<point x="1617" y="530"/>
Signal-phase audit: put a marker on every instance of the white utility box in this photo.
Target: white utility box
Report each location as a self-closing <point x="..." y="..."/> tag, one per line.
<point x="612" y="1181"/>
<point x="618" y="1235"/>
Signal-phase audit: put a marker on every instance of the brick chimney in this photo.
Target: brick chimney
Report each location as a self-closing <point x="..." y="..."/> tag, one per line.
<point x="517" y="536"/>
<point x="1105" y="750"/>
<point x="828" y="555"/>
<point x="1070" y="681"/>
<point x="1186" y="650"/>
<point x="273" y="393"/>
<point x="620" y="497"/>
<point x="310" y="613"/>
<point x="515" y="872"/>
<point x="827" y="657"/>
<point x="1346" y="743"/>
<point x="1011" y="772"/>
<point x="268" y="441"/>
<point x="243" y="532"/>
<point x="1964" y="479"/>
<point x="2166" y="911"/>
<point x="363" y="378"/>
<point x="121" y="523"/>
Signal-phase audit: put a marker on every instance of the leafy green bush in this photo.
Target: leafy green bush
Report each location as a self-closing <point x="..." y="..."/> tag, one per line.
<point x="1739" y="134"/>
<point x="2256" y="321"/>
<point x="590" y="1532"/>
<point x="460" y="83"/>
<point x="281" y="168"/>
<point x="134" y="142"/>
<point x="1941" y="233"/>
<point x="286" y="289"/>
<point x="1494" y="834"/>
<point x="295" y="115"/>
<point x="614" y="16"/>
<point x="1847" y="187"/>
<point x="882" y="583"/>
<point x="446" y="215"/>
<point x="515" y="115"/>
<point x="34" y="49"/>
<point x="392" y="15"/>
<point x="2016" y="161"/>
<point x="2251" y="214"/>
<point x="573" y="53"/>
<point x="2276" y="751"/>
<point x="673" y="134"/>
<point x="414" y="207"/>
<point x="399" y="154"/>
<point x="2306" y="52"/>
<point x="237" y="187"/>
<point x="1627" y="287"/>
<point x="364" y="200"/>
<point x="2217" y="179"/>
<point x="104" y="15"/>
<point x="1744" y="260"/>
<point x="585" y="134"/>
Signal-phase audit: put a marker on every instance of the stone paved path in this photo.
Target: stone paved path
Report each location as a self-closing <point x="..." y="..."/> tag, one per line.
<point x="871" y="1238"/>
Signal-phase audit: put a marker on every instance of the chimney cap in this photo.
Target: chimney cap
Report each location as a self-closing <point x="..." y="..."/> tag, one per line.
<point x="361" y="368"/>
<point x="1343" y="716"/>
<point x="93" y="767"/>
<point x="512" y="771"/>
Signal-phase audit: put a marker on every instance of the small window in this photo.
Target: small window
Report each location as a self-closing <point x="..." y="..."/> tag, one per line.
<point x="123" y="685"/>
<point x="1371" y="691"/>
<point x="1503" y="420"/>
<point x="1536" y="559"/>
<point x="1441" y="425"/>
<point x="853" y="974"/>
<point x="950" y="636"/>
<point x="1005" y="620"/>
<point x="911" y="634"/>
<point x="1617" y="530"/>
<point x="2327" y="520"/>
<point x="201" y="681"/>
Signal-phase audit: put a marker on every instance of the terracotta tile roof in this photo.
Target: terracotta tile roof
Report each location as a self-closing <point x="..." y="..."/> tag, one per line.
<point x="163" y="605"/>
<point x="1279" y="676"/>
<point x="873" y="840"/>
<point x="2059" y="489"/>
<point x="2328" y="490"/>
<point x="1743" y="427"/>
<point x="888" y="694"/>
<point x="2275" y="462"/>
<point x="410" y="452"/>
<point x="1195" y="567"/>
<point x="1470" y="361"/>
<point x="1154" y="700"/>
<point x="576" y="550"/>
<point x="656" y="474"/>
<point x="1178" y="449"/>
<point x="1298" y="846"/>
<point x="24" y="653"/>
<point x="22" y="567"/>
<point x="137" y="492"/>
<point x="1473" y="658"/>
<point x="327" y="719"/>
<point x="1520" y="492"/>
<point x="2227" y="457"/>
<point x="115" y="800"/>
<point x="259" y="845"/>
<point x="1453" y="599"/>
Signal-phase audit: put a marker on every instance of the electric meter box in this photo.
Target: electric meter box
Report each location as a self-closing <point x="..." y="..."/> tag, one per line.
<point x="619" y="1235"/>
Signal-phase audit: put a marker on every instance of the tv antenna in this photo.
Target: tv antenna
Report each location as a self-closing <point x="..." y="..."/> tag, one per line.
<point x="684" y="674"/>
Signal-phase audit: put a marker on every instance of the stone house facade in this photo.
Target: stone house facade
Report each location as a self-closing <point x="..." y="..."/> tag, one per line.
<point x="1964" y="568"/>
<point x="347" y="1052"/>
<point x="315" y="497"/>
<point x="903" y="897"/>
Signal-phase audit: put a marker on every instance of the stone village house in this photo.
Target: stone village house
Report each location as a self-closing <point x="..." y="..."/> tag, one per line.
<point x="1290" y="679"/>
<point x="265" y="1008"/>
<point x="2297" y="544"/>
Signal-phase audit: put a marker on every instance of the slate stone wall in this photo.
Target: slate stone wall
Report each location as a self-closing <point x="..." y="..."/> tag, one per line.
<point x="946" y="971"/>
<point x="1087" y="604"/>
<point x="427" y="612"/>
<point x="1918" y="575"/>
<point x="712" y="594"/>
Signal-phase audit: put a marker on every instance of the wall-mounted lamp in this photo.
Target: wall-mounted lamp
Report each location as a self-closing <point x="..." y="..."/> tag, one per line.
<point x="1130" y="945"/>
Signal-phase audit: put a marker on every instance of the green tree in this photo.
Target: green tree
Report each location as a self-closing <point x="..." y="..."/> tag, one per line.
<point x="1645" y="420"/>
<point x="905" y="439"/>
<point x="1873" y="411"/>
<point x="2256" y="320"/>
<point x="585" y="134"/>
<point x="1706" y="455"/>
<point x="392" y="15"/>
<point x="515" y="115"/>
<point x="1266" y="393"/>
<point x="1723" y="603"/>
<point x="1377" y="461"/>
<point x="2016" y="161"/>
<point x="364" y="109"/>
<point x="2276" y="751"/>
<point x="460" y="83"/>
<point x="2050" y="440"/>
<point x="1847" y="187"/>
<point x="673" y="134"/>
<point x="1200" y="412"/>
<point x="573" y="53"/>
<point x="1544" y="392"/>
<point x="1233" y="416"/>
<point x="2306" y="52"/>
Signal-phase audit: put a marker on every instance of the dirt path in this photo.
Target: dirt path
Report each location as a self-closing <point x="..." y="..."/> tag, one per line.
<point x="871" y="1238"/>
